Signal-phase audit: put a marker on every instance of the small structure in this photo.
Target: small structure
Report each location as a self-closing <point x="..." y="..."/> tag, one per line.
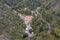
<point x="27" y="20"/>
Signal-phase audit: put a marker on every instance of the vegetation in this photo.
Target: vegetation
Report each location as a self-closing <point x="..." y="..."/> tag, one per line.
<point x="45" y="22"/>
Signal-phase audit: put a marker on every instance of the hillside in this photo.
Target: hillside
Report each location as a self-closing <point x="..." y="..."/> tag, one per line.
<point x="45" y="22"/>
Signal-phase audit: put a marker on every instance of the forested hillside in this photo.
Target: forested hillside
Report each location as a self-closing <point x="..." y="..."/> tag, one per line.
<point x="45" y="22"/>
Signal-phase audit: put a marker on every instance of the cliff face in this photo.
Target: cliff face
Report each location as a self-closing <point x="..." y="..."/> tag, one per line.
<point x="45" y="22"/>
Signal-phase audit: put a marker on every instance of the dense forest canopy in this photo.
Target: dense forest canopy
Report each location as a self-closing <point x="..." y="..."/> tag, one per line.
<point x="45" y="22"/>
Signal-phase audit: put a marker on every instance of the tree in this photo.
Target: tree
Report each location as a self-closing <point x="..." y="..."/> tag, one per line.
<point x="45" y="22"/>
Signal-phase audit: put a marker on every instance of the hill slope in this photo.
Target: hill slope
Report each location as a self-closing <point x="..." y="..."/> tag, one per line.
<point x="45" y="23"/>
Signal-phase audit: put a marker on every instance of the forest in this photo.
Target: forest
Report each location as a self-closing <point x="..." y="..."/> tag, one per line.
<point x="45" y="21"/>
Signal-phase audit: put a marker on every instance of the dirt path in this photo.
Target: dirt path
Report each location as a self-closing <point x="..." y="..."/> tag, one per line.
<point x="27" y="20"/>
